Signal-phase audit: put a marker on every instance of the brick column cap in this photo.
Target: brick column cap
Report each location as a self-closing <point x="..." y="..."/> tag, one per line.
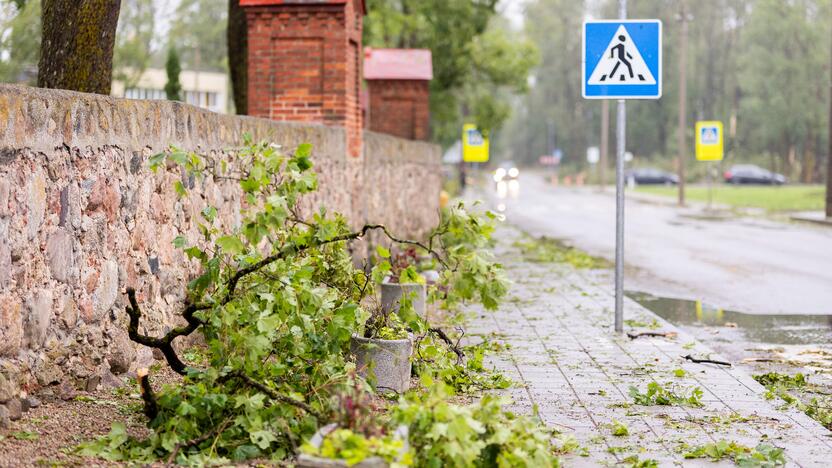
<point x="398" y="64"/>
<point x="249" y="3"/>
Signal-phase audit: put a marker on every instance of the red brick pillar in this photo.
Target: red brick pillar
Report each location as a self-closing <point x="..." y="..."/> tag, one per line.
<point x="304" y="62"/>
<point x="398" y="82"/>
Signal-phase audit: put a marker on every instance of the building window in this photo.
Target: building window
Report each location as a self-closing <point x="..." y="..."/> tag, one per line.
<point x="205" y="99"/>
<point x="144" y="93"/>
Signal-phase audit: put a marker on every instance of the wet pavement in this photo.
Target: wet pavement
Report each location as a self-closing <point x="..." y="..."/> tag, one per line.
<point x="739" y="326"/>
<point x="745" y="264"/>
<point x="576" y="373"/>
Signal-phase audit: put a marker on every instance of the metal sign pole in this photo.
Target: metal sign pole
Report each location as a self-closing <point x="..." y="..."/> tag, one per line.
<point x="710" y="184"/>
<point x="621" y="130"/>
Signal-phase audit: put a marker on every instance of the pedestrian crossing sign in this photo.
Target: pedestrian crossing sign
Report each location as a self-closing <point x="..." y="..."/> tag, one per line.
<point x="709" y="141"/>
<point x="622" y="59"/>
<point x="474" y="144"/>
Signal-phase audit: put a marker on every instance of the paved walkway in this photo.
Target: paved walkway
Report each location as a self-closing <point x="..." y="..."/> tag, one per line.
<point x="570" y="366"/>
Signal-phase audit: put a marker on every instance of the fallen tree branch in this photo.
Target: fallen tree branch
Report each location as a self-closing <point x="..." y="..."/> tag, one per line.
<point x="295" y="249"/>
<point x="460" y="355"/>
<point x="276" y="396"/>
<point x="633" y="336"/>
<point x="164" y="344"/>
<point x="706" y="361"/>
<point x="198" y="440"/>
<point x="151" y="409"/>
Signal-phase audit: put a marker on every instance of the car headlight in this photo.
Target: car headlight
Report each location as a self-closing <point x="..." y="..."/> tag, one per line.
<point x="499" y="174"/>
<point x="513" y="172"/>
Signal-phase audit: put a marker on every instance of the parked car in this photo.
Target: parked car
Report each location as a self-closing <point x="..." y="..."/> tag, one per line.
<point x="751" y="174"/>
<point x="650" y="176"/>
<point x="506" y="171"/>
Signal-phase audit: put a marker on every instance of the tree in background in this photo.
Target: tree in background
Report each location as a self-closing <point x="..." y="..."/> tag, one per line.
<point x="760" y="66"/>
<point x="237" y="35"/>
<point x="476" y="62"/>
<point x="134" y="37"/>
<point x="198" y="29"/>
<point x="173" y="88"/>
<point x="784" y="85"/>
<point x="76" y="50"/>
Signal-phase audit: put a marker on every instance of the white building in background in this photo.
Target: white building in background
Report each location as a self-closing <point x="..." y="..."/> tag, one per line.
<point x="208" y="90"/>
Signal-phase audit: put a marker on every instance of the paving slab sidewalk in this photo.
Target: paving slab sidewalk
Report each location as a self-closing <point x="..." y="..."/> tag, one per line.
<point x="576" y="372"/>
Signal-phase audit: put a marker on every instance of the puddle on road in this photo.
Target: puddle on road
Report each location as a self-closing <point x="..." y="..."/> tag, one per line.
<point x="768" y="329"/>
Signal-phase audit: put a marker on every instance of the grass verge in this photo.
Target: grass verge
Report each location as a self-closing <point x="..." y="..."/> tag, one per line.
<point x="769" y="198"/>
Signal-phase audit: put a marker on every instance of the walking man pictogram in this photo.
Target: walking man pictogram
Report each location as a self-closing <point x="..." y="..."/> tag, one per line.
<point x="624" y="57"/>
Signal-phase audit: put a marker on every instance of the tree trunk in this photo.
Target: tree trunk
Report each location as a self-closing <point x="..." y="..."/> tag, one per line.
<point x="77" y="42"/>
<point x="238" y="55"/>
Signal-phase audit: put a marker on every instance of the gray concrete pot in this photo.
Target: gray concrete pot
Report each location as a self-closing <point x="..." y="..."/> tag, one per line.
<point x="384" y="362"/>
<point x="391" y="294"/>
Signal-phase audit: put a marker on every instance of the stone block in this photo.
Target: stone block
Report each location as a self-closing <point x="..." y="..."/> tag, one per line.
<point x="11" y="325"/>
<point x="39" y="317"/>
<point x="106" y="291"/>
<point x="36" y="201"/>
<point x="60" y="255"/>
<point x="15" y="409"/>
<point x="8" y="388"/>
<point x="4" y="417"/>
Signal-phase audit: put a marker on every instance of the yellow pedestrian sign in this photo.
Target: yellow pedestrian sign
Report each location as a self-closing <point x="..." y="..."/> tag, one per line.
<point x="474" y="145"/>
<point x="709" y="141"/>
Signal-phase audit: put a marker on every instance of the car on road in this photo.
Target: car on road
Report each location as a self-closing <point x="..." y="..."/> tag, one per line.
<point x="506" y="171"/>
<point x="751" y="174"/>
<point x="650" y="176"/>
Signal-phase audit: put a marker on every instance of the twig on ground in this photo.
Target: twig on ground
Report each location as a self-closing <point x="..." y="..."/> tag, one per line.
<point x="706" y="361"/>
<point x="460" y="355"/>
<point x="671" y="334"/>
<point x="198" y="440"/>
<point x="276" y="396"/>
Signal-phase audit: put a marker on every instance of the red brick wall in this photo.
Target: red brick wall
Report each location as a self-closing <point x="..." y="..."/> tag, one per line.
<point x="305" y="66"/>
<point x="400" y="108"/>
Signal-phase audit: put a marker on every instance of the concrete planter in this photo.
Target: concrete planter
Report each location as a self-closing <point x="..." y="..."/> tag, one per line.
<point x="391" y="295"/>
<point x="384" y="362"/>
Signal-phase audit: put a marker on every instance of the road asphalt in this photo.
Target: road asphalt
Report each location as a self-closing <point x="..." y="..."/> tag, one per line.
<point x="746" y="264"/>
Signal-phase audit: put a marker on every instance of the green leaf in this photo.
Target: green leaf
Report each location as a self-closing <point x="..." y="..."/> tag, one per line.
<point x="179" y="157"/>
<point x="180" y="188"/>
<point x="156" y="160"/>
<point x="304" y="150"/>
<point x="382" y="252"/>
<point x="180" y="242"/>
<point x="209" y="213"/>
<point x="231" y="245"/>
<point x="263" y="438"/>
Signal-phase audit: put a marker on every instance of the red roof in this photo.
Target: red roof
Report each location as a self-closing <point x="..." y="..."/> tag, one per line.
<point x="398" y="64"/>
<point x="245" y="3"/>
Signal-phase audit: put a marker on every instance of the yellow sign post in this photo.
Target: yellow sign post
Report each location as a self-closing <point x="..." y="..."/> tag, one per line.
<point x="474" y="145"/>
<point x="709" y="147"/>
<point x="709" y="141"/>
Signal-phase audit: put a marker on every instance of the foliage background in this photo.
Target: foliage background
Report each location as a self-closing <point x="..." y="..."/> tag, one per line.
<point x="760" y="66"/>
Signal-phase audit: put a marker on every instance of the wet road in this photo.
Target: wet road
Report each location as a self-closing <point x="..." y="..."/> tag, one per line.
<point x="748" y="265"/>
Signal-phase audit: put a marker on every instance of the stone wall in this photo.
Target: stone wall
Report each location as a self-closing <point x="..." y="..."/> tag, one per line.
<point x="82" y="217"/>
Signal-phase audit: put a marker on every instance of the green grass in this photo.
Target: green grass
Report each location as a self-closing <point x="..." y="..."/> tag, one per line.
<point x="785" y="198"/>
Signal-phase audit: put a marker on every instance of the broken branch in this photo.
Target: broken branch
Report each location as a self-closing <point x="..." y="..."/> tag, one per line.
<point x="164" y="344"/>
<point x="276" y="396"/>
<point x="633" y="336"/>
<point x="444" y="337"/>
<point x="151" y="409"/>
<point x="706" y="361"/>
